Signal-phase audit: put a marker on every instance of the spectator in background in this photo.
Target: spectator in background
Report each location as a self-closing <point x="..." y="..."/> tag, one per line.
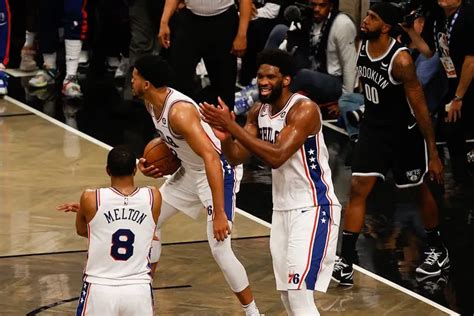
<point x="450" y="36"/>
<point x="264" y="17"/>
<point x="74" y="16"/>
<point x="28" y="52"/>
<point x="213" y="31"/>
<point x="5" y="27"/>
<point x="328" y="58"/>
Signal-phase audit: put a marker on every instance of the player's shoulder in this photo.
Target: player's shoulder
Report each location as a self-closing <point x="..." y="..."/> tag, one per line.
<point x="303" y="108"/>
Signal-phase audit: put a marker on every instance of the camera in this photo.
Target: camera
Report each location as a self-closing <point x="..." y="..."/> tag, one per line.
<point x="411" y="10"/>
<point x="298" y="12"/>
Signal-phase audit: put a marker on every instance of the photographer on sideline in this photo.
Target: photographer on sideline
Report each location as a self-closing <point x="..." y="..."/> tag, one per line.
<point x="449" y="35"/>
<point x="322" y="40"/>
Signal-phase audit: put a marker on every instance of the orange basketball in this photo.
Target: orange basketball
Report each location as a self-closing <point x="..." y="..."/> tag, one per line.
<point x="158" y="154"/>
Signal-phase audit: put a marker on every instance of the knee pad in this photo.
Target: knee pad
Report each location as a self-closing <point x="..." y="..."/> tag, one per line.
<point x="302" y="302"/>
<point x="233" y="270"/>
<point x="286" y="302"/>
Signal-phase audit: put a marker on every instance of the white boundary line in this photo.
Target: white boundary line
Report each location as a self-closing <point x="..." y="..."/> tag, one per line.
<point x="329" y="124"/>
<point x="253" y="218"/>
<point x="58" y="123"/>
<point x="241" y="212"/>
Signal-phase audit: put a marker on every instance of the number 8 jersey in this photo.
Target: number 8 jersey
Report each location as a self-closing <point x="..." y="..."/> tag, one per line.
<point x="385" y="102"/>
<point x="120" y="236"/>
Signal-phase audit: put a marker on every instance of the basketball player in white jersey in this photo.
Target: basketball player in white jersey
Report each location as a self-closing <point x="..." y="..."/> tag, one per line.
<point x="120" y="223"/>
<point x="205" y="179"/>
<point x="285" y="131"/>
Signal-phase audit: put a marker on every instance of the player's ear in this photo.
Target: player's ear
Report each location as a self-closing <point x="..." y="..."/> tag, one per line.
<point x="147" y="85"/>
<point x="286" y="81"/>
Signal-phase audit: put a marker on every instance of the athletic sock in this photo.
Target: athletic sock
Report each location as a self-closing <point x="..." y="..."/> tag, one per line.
<point x="348" y="252"/>
<point x="73" y="50"/>
<point x="251" y="309"/>
<point x="29" y="39"/>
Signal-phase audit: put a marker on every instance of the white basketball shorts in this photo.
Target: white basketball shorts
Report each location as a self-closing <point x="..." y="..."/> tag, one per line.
<point x="303" y="245"/>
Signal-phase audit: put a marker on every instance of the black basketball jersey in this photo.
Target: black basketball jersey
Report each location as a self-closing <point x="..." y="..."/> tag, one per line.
<point x="386" y="104"/>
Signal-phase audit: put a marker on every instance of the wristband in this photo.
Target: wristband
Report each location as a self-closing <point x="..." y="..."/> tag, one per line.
<point x="457" y="98"/>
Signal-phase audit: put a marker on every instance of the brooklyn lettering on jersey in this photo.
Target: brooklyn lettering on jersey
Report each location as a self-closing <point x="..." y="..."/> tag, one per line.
<point x="124" y="214"/>
<point x="373" y="75"/>
<point x="268" y="134"/>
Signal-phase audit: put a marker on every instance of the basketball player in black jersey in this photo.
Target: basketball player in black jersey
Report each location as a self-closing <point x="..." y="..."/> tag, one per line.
<point x="396" y="134"/>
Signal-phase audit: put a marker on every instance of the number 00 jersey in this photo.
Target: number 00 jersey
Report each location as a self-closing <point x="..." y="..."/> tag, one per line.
<point x="386" y="104"/>
<point x="120" y="236"/>
<point x="304" y="180"/>
<point x="175" y="142"/>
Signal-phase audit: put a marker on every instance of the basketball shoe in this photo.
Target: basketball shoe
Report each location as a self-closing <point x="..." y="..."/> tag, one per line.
<point x="3" y="83"/>
<point x="28" y="62"/>
<point x="71" y="88"/>
<point x="437" y="259"/>
<point x="343" y="272"/>
<point x="44" y="77"/>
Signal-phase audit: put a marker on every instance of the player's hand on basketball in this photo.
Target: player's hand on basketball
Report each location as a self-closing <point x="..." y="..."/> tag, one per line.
<point x="150" y="171"/>
<point x="221" y="227"/>
<point x="435" y="170"/>
<point x="68" y="207"/>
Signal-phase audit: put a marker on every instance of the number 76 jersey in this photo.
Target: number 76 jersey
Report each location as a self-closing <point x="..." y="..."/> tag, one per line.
<point x="120" y="236"/>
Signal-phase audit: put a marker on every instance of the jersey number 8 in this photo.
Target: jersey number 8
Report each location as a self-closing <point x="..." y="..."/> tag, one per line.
<point x="122" y="239"/>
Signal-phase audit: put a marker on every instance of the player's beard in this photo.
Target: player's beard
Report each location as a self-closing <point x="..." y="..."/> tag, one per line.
<point x="369" y="35"/>
<point x="273" y="96"/>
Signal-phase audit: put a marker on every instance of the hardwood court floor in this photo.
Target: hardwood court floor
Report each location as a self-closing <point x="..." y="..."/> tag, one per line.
<point x="43" y="164"/>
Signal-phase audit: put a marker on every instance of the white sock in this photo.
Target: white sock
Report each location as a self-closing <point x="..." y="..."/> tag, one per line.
<point x="29" y="39"/>
<point x="73" y="50"/>
<point x="50" y="60"/>
<point x="251" y="309"/>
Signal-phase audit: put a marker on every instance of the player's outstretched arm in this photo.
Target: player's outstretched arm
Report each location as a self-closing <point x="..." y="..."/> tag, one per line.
<point x="184" y="120"/>
<point x="86" y="212"/>
<point x="302" y="120"/>
<point x="68" y="207"/>
<point x="404" y="71"/>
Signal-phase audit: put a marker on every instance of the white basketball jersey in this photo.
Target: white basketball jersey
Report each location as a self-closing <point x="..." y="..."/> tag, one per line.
<point x="120" y="236"/>
<point x="304" y="180"/>
<point x="177" y="143"/>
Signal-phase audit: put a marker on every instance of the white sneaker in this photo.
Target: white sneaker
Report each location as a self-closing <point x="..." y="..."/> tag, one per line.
<point x="43" y="78"/>
<point x="71" y="88"/>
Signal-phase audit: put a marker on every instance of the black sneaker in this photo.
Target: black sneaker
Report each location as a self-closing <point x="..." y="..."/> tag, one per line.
<point x="437" y="259"/>
<point x="343" y="272"/>
<point x="354" y="117"/>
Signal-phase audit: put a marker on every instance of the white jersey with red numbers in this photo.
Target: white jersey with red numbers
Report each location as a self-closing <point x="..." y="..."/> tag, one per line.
<point x="120" y="236"/>
<point x="304" y="180"/>
<point x="177" y="143"/>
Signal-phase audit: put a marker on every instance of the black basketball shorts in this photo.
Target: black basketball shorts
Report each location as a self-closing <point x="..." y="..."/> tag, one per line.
<point x="403" y="151"/>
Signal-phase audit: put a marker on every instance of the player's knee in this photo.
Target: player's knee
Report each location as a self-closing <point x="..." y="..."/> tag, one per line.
<point x="360" y="187"/>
